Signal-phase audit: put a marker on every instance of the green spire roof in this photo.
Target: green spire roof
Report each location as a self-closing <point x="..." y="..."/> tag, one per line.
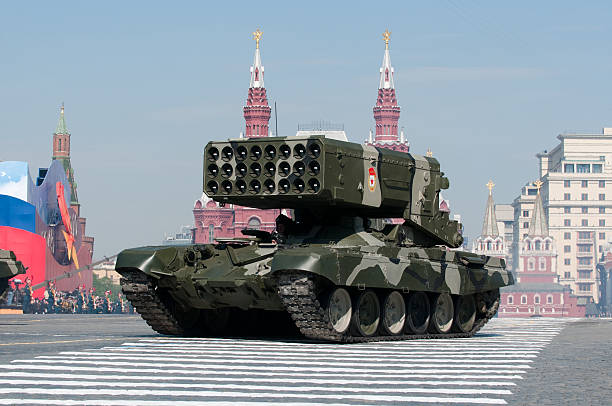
<point x="61" y="124"/>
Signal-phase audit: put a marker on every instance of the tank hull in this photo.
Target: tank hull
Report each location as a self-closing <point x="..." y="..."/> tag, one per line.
<point x="248" y="275"/>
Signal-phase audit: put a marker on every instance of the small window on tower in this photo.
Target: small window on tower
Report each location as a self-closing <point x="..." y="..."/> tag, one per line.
<point x="60" y="144"/>
<point x="256" y="73"/>
<point x="387" y="75"/>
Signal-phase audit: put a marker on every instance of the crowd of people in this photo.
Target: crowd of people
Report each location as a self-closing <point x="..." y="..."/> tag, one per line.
<point x="80" y="300"/>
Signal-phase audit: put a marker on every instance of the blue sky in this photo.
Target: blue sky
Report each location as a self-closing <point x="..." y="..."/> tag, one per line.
<point x="485" y="85"/>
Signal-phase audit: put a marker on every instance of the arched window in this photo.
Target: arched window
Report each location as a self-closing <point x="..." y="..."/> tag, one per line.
<point x="549" y="299"/>
<point x="536" y="299"/>
<point x="528" y="245"/>
<point x="531" y="264"/>
<point x="59" y="148"/>
<point x="510" y="299"/>
<point x="256" y="73"/>
<point x="254" y="223"/>
<point x="547" y="245"/>
<point x="524" y="299"/>
<point x="538" y="245"/>
<point x="211" y="233"/>
<point x="387" y="74"/>
<point x="542" y="264"/>
<point x="489" y="246"/>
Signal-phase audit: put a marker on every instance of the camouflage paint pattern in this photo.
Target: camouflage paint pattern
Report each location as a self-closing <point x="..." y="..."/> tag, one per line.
<point x="9" y="267"/>
<point x="355" y="183"/>
<point x="357" y="179"/>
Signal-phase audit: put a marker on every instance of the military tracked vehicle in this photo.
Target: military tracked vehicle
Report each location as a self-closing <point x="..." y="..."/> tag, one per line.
<point x="9" y="267"/>
<point x="334" y="269"/>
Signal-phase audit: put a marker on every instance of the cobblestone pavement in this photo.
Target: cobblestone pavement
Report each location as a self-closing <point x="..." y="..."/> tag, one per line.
<point x="520" y="362"/>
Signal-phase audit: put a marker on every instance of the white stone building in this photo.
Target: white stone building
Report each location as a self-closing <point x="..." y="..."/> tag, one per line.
<point x="577" y="196"/>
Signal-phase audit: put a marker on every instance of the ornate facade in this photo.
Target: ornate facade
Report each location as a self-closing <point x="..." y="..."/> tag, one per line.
<point x="537" y="292"/>
<point x="490" y="242"/>
<point x="213" y="221"/>
<point x="386" y="110"/>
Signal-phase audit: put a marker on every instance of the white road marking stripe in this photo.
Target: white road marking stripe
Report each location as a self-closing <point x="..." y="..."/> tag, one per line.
<point x="478" y="370"/>
<point x="507" y="341"/>
<point x="279" y="359"/>
<point x="437" y="373"/>
<point x="128" y="402"/>
<point x="221" y="393"/>
<point x="412" y="351"/>
<point x="267" y="388"/>
<point x="289" y="354"/>
<point x="223" y="365"/>
<point x="264" y="378"/>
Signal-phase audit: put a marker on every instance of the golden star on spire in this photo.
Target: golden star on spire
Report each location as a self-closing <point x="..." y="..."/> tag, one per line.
<point x="538" y="184"/>
<point x="386" y="35"/>
<point x="257" y="36"/>
<point x="429" y="153"/>
<point x="490" y="186"/>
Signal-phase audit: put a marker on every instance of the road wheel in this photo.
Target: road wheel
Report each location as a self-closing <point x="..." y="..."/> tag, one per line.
<point x="339" y="310"/>
<point x="394" y="313"/>
<point x="418" y="313"/>
<point x="442" y="314"/>
<point x="465" y="313"/>
<point x="366" y="316"/>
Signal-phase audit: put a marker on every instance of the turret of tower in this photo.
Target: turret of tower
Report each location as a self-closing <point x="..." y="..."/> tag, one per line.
<point x="61" y="152"/>
<point x="257" y="112"/>
<point x="61" y="138"/>
<point x="386" y="110"/>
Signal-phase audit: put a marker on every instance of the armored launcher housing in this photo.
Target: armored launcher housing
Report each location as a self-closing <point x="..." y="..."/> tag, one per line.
<point x="333" y="271"/>
<point x="9" y="267"/>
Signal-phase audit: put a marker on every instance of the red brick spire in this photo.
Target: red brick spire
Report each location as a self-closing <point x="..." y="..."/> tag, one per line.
<point x="257" y="112"/>
<point x="386" y="110"/>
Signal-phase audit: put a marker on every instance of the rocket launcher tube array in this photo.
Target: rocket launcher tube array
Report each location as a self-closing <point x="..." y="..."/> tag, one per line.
<point x="323" y="173"/>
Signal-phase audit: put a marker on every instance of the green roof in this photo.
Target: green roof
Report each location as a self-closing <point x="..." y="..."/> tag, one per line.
<point x="61" y="124"/>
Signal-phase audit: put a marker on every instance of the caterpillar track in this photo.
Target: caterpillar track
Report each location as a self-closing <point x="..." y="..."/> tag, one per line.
<point x="297" y="293"/>
<point x="141" y="292"/>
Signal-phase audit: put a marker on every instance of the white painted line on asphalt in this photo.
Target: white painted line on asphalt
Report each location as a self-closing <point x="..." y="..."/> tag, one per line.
<point x="223" y="365"/>
<point x="280" y="359"/>
<point x="263" y="388"/>
<point x="511" y="342"/>
<point x="127" y="402"/>
<point x="267" y="396"/>
<point x="437" y="373"/>
<point x="298" y="355"/>
<point x="264" y="378"/>
<point x="306" y="352"/>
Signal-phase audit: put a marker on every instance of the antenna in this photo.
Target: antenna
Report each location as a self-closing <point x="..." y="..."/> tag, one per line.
<point x="276" y="118"/>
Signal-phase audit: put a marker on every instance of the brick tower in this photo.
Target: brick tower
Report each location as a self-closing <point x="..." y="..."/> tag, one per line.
<point x="213" y="221"/>
<point x="61" y="152"/>
<point x="257" y="112"/>
<point x="386" y="110"/>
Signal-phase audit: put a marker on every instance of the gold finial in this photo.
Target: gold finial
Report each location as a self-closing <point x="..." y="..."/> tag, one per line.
<point x="490" y="186"/>
<point x="538" y="184"/>
<point x="257" y="36"/>
<point x="386" y="35"/>
<point x="429" y="153"/>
